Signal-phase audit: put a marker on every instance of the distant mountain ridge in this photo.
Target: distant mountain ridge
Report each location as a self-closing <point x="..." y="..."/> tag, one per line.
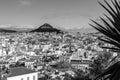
<point x="5" y="30"/>
<point x="45" y="28"/>
<point x="83" y="30"/>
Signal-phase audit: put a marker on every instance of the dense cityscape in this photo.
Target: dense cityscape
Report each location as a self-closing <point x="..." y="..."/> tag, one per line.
<point x="59" y="40"/>
<point x="51" y="55"/>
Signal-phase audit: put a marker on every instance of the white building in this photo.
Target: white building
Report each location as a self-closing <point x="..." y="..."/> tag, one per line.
<point x="21" y="73"/>
<point x="79" y="62"/>
<point x="29" y="63"/>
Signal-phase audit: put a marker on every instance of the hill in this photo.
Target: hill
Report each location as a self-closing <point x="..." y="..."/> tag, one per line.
<point x="46" y="28"/>
<point x="5" y="30"/>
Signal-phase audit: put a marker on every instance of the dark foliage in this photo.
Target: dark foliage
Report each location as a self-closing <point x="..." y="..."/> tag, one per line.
<point x="99" y="63"/>
<point x="111" y="29"/>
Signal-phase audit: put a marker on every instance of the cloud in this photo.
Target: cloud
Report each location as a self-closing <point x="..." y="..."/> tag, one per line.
<point x="24" y="2"/>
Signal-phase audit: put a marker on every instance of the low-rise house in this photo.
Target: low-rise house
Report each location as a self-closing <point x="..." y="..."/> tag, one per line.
<point x="30" y="64"/>
<point x="38" y="66"/>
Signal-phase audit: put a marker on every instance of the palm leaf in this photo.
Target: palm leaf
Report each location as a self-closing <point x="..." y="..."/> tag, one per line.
<point x="115" y="72"/>
<point x="109" y="70"/>
<point x="116" y="75"/>
<point x="111" y="29"/>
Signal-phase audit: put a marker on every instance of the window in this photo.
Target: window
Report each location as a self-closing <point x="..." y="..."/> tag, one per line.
<point x="27" y="78"/>
<point x="33" y="77"/>
<point x="21" y="78"/>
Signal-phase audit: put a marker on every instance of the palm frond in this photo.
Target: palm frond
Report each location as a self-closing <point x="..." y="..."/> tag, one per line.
<point x="111" y="29"/>
<point x="110" y="70"/>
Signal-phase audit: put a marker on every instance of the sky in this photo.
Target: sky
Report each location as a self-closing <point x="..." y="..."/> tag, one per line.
<point x="69" y="14"/>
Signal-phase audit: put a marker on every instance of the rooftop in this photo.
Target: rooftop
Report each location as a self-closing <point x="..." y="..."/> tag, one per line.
<point x="80" y="61"/>
<point x="19" y="71"/>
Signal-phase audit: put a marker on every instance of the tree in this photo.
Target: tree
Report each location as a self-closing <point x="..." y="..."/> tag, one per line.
<point x="99" y="63"/>
<point x="68" y="77"/>
<point x="78" y="74"/>
<point x="81" y="75"/>
<point x="111" y="29"/>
